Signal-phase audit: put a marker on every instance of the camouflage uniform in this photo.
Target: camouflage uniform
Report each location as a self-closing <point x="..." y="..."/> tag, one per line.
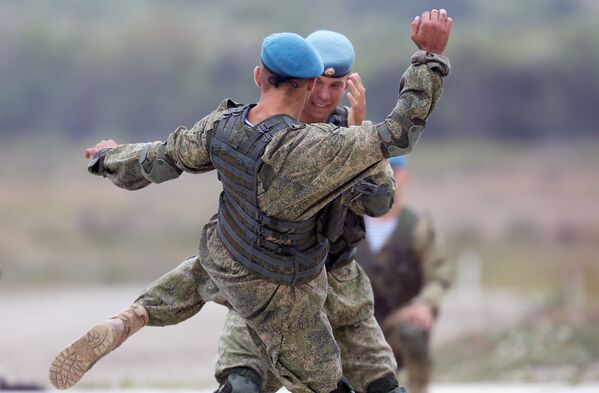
<point x="410" y="268"/>
<point x="304" y="169"/>
<point x="365" y="354"/>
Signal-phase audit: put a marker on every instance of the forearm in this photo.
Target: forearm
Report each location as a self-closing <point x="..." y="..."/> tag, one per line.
<point x="121" y="165"/>
<point x="133" y="166"/>
<point x="438" y="269"/>
<point x="420" y="90"/>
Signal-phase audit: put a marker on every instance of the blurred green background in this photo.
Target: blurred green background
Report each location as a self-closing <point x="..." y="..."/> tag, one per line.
<point x="508" y="166"/>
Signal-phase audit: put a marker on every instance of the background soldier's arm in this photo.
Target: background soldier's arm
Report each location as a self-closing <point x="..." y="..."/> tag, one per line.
<point x="438" y="269"/>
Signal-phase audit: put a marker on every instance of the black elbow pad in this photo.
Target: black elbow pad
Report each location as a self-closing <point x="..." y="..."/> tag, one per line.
<point x="412" y="131"/>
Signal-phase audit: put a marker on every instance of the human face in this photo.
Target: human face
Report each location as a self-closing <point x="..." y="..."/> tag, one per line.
<point x="324" y="98"/>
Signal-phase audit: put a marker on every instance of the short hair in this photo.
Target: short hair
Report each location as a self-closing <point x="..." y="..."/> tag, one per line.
<point x="269" y="79"/>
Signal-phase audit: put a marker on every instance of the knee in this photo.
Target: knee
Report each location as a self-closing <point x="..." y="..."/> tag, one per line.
<point x="414" y="341"/>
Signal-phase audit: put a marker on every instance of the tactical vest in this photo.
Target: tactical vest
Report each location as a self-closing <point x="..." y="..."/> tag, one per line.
<point x="396" y="271"/>
<point x="282" y="251"/>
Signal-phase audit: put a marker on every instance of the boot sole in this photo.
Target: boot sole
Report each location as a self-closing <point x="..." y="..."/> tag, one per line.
<point x="76" y="359"/>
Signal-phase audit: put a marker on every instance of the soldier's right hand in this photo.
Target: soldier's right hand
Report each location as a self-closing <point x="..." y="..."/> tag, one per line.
<point x="92" y="151"/>
<point x="430" y="32"/>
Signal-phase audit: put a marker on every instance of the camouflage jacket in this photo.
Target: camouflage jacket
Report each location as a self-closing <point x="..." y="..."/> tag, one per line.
<point x="304" y="168"/>
<point x="410" y="267"/>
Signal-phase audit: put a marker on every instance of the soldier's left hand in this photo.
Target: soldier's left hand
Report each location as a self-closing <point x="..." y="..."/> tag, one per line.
<point x="357" y="99"/>
<point x="418" y="314"/>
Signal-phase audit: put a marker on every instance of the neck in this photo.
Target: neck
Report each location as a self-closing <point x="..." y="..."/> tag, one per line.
<point x="275" y="104"/>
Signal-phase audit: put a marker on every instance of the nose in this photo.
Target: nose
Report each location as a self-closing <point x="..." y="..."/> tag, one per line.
<point x="324" y="94"/>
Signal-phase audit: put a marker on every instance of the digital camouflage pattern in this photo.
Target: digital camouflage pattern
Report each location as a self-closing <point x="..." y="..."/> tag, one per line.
<point x="304" y="169"/>
<point x="365" y="354"/>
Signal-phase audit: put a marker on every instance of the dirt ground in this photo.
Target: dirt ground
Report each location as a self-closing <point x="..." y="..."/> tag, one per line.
<point x="37" y="323"/>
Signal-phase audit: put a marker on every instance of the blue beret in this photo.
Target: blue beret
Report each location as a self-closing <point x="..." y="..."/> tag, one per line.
<point x="398" y="162"/>
<point x="336" y="50"/>
<point x="289" y="55"/>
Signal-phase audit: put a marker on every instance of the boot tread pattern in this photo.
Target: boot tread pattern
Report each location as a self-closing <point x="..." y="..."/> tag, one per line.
<point x="76" y="359"/>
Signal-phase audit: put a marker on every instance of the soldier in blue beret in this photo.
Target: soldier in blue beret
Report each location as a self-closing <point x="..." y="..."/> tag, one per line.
<point x="338" y="55"/>
<point x="263" y="255"/>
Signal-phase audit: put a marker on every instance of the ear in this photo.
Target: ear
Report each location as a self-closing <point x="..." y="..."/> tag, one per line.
<point x="257" y="71"/>
<point x="310" y="85"/>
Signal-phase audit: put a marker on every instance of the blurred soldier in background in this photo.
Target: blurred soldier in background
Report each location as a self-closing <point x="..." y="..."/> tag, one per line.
<point x="405" y="260"/>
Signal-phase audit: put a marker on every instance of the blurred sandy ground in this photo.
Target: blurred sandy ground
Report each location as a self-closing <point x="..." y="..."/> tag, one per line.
<point x="37" y="323"/>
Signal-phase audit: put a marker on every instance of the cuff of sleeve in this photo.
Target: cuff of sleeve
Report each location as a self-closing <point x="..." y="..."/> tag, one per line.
<point x="433" y="61"/>
<point x="96" y="164"/>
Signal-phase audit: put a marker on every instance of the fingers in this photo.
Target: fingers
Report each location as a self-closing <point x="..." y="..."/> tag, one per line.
<point x="414" y="28"/>
<point x="103" y="144"/>
<point x="356" y="95"/>
<point x="426" y="16"/>
<point x="443" y="15"/>
<point x="435" y="15"/>
<point x="355" y="84"/>
<point x="352" y="101"/>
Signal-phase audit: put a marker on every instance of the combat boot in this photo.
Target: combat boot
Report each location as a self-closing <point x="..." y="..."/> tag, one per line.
<point x="76" y="359"/>
<point x="385" y="384"/>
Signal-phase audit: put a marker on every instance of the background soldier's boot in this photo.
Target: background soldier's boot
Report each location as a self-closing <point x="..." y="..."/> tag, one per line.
<point x="74" y="361"/>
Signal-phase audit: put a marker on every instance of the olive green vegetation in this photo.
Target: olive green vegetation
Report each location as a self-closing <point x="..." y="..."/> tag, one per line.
<point x="138" y="69"/>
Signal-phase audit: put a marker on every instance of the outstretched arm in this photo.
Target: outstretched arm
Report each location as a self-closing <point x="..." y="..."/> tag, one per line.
<point x="133" y="166"/>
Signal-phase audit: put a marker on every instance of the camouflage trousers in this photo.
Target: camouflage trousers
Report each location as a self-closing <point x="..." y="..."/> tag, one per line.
<point x="289" y="331"/>
<point x="365" y="354"/>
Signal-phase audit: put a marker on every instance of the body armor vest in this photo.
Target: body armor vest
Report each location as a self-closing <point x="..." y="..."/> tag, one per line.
<point x="396" y="271"/>
<point x="282" y="251"/>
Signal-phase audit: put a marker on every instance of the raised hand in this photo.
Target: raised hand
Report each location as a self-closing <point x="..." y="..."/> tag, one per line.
<point x="357" y="99"/>
<point x="430" y="32"/>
